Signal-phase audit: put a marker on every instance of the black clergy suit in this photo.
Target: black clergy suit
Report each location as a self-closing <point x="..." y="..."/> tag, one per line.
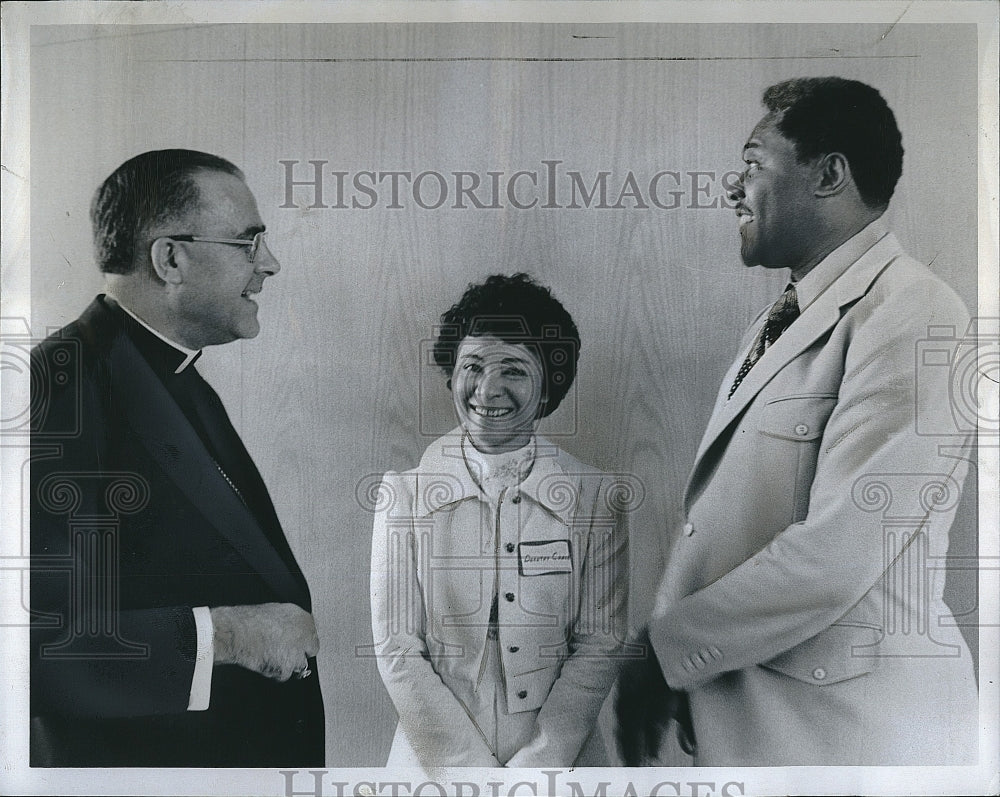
<point x="145" y="504"/>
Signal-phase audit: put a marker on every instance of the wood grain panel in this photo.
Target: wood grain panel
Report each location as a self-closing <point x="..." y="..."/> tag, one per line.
<point x="335" y="388"/>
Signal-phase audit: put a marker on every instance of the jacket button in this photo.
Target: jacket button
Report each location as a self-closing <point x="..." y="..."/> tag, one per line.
<point x="522" y="694"/>
<point x="801" y="430"/>
<point x="513" y="648"/>
<point x="819" y="673"/>
<point x="510" y="547"/>
<point x="688" y="529"/>
<point x="300" y="726"/>
<point x="516" y="499"/>
<point x="510" y="597"/>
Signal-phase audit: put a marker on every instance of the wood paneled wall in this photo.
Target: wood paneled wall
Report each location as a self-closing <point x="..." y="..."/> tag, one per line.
<point x="335" y="387"/>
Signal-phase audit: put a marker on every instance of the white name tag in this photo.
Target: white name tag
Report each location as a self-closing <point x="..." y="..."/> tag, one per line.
<point x="544" y="558"/>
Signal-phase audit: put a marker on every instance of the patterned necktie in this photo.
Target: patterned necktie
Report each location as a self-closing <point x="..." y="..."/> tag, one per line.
<point x="779" y="318"/>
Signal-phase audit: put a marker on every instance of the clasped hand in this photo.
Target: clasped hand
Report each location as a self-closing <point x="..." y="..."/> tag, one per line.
<point x="645" y="706"/>
<point x="273" y="639"/>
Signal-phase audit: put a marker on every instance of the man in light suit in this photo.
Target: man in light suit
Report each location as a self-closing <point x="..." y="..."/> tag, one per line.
<point x="800" y="619"/>
<point x="171" y="623"/>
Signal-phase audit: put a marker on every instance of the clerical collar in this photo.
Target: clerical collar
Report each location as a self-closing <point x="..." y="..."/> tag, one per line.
<point x="190" y="355"/>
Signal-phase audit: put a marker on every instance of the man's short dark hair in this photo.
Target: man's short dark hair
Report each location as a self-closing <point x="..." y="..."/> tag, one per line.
<point x="143" y="191"/>
<point x="518" y="310"/>
<point x="832" y="114"/>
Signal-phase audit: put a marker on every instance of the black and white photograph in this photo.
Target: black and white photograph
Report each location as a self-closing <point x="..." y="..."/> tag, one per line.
<point x="500" y="398"/>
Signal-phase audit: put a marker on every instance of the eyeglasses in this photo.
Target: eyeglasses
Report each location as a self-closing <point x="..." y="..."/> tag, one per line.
<point x="254" y="244"/>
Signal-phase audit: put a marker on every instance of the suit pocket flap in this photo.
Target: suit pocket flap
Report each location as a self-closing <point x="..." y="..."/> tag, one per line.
<point x="528" y="691"/>
<point x="837" y="654"/>
<point x="797" y="417"/>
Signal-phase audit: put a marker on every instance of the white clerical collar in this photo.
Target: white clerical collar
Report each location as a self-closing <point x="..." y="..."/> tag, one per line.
<point x="189" y="354"/>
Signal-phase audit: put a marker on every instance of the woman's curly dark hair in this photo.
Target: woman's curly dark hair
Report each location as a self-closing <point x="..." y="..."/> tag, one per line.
<point x="517" y="310"/>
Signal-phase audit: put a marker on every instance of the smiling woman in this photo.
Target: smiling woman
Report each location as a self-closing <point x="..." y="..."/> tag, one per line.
<point x="497" y="389"/>
<point x="499" y="564"/>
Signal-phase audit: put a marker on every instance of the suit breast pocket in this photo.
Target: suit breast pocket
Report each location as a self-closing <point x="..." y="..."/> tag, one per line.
<point x="795" y="426"/>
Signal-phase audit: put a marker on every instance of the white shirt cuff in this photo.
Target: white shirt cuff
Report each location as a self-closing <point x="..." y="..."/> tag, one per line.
<point x="201" y="681"/>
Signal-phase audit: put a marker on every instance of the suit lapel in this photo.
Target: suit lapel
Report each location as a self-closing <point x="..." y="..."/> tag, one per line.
<point x="172" y="442"/>
<point x="817" y="319"/>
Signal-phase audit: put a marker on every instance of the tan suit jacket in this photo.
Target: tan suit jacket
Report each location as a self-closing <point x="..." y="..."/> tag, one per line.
<point x="801" y="607"/>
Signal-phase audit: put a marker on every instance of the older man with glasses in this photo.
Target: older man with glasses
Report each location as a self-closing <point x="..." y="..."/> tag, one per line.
<point x="172" y="622"/>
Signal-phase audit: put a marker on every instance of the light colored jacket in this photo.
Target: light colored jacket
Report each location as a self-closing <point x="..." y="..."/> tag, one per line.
<point x="557" y="545"/>
<point x="801" y="606"/>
